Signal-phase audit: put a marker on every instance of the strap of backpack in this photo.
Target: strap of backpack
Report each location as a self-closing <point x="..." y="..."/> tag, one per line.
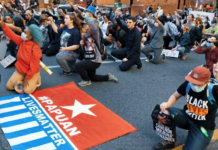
<point x="188" y="87"/>
<point x="210" y="93"/>
<point x="153" y="35"/>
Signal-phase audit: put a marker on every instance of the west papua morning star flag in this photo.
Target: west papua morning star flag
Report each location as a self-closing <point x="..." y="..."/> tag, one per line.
<point x="58" y="118"/>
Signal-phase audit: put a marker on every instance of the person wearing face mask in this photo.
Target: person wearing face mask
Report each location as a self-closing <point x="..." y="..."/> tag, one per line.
<point x="100" y="19"/>
<point x="211" y="52"/>
<point x="169" y="17"/>
<point x="156" y="31"/>
<point x="198" y="112"/>
<point x="190" y="22"/>
<point x="213" y="30"/>
<point x="195" y="34"/>
<point x="28" y="57"/>
<point x="125" y="17"/>
<point x="110" y="12"/>
<point x="184" y="43"/>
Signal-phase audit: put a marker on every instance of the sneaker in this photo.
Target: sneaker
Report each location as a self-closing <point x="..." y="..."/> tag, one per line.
<point x="164" y="57"/>
<point x="112" y="78"/>
<point x="149" y="59"/>
<point x="165" y="145"/>
<point x="184" y="57"/>
<point x="65" y="73"/>
<point x="84" y="83"/>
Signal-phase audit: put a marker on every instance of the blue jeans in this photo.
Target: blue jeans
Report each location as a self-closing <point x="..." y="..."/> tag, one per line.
<point x="67" y="60"/>
<point x="157" y="53"/>
<point x="195" y="139"/>
<point x="181" y="51"/>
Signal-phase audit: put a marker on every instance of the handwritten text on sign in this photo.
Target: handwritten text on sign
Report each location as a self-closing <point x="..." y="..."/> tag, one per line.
<point x="170" y="53"/>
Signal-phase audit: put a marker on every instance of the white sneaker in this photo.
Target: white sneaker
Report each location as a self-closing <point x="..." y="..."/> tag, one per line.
<point x="84" y="83"/>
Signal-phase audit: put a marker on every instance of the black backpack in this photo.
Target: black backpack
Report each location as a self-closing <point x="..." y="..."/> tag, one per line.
<point x="102" y="48"/>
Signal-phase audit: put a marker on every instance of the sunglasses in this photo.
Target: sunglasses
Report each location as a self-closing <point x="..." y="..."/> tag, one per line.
<point x="164" y="115"/>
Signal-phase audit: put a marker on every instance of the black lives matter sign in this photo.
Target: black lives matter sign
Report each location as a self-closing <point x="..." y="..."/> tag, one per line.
<point x="165" y="133"/>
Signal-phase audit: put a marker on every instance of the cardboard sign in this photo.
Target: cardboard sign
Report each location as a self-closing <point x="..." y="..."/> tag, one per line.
<point x="202" y="14"/>
<point x="163" y="124"/>
<point x="160" y="12"/>
<point x="170" y="53"/>
<point x="3" y="49"/>
<point x="7" y="61"/>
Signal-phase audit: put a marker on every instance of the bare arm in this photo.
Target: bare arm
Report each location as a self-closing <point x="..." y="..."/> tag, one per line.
<point x="54" y="27"/>
<point x="173" y="98"/>
<point x="71" y="48"/>
<point x="12" y="27"/>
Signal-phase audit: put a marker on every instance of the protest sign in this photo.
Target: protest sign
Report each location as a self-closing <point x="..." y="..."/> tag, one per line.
<point x="170" y="53"/>
<point x="3" y="49"/>
<point x="7" y="61"/>
<point x="163" y="124"/>
<point x="202" y="15"/>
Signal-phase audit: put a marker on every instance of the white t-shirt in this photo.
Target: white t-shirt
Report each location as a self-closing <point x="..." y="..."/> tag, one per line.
<point x="103" y="27"/>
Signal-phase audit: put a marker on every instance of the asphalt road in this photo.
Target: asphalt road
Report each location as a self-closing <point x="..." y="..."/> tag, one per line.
<point x="133" y="98"/>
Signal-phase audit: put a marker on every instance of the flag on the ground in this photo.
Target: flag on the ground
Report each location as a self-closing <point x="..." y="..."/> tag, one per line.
<point x="59" y="118"/>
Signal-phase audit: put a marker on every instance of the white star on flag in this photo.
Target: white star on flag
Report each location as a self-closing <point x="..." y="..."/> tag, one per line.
<point x="79" y="108"/>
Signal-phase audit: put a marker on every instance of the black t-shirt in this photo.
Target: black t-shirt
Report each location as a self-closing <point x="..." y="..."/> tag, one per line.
<point x="198" y="108"/>
<point x="142" y="28"/>
<point x="69" y="37"/>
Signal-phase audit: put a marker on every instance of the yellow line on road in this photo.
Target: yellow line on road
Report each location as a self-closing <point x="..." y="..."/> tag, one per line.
<point x="215" y="137"/>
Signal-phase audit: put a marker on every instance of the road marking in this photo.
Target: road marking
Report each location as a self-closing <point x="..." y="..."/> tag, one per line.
<point x="215" y="137"/>
<point x="103" y="62"/>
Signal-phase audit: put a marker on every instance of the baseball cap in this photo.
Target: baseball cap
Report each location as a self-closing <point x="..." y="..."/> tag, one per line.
<point x="199" y="75"/>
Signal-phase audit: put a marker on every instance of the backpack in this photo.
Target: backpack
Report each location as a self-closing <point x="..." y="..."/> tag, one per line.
<point x="173" y="29"/>
<point x="210" y="96"/>
<point x="102" y="48"/>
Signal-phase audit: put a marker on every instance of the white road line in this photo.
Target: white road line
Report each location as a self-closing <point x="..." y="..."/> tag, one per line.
<point x="103" y="62"/>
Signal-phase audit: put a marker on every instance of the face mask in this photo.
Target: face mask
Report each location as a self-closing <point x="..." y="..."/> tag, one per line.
<point x="197" y="89"/>
<point x="23" y="36"/>
<point x="209" y="44"/>
<point x="156" y="24"/>
<point x="87" y="14"/>
<point x="192" y="24"/>
<point x="127" y="13"/>
<point x="139" y="21"/>
<point x="212" y="25"/>
<point x="119" y="13"/>
<point x="108" y="11"/>
<point x="99" y="16"/>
